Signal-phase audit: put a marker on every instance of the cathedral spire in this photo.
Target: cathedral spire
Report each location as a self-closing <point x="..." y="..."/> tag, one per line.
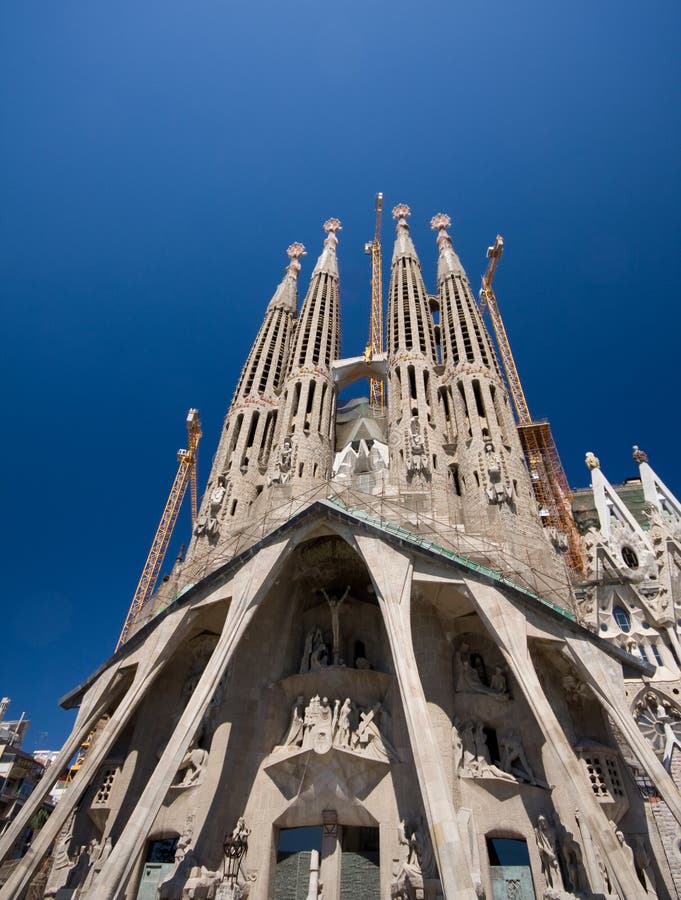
<point x="464" y="338"/>
<point x="328" y="262"/>
<point x="286" y="295"/>
<point x="404" y="245"/>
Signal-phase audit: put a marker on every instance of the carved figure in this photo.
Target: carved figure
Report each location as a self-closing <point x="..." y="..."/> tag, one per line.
<point x="343" y="731"/>
<point x="317" y="726"/>
<point x="240" y="831"/>
<point x="498" y="682"/>
<point x="334" y="605"/>
<point x="98" y="855"/>
<point x="546" y="845"/>
<point x="473" y="676"/>
<point x="218" y="495"/>
<point x="368" y="740"/>
<point x="315" y="654"/>
<point x="592" y="462"/>
<point x="192" y="765"/>
<point x="282" y="470"/>
<point x="294" y="737"/>
<point x="63" y="863"/>
<point x="513" y="758"/>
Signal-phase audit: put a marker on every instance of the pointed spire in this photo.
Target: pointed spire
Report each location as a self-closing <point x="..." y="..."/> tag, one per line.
<point x="655" y="490"/>
<point x="328" y="262"/>
<point x="286" y="295"/>
<point x="403" y="242"/>
<point x="448" y="262"/>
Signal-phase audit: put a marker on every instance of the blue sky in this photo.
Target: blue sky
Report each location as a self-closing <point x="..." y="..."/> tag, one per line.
<point x="157" y="158"/>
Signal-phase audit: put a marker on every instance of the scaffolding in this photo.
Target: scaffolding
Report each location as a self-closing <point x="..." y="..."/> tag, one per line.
<point x="549" y="481"/>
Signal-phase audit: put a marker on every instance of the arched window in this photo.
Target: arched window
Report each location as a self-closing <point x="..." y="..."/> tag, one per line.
<point x="622" y="618"/>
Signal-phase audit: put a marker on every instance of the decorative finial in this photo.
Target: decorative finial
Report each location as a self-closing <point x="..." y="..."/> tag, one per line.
<point x="440" y="222"/>
<point x="400" y="212"/>
<point x="592" y="462"/>
<point x="640" y="456"/>
<point x="294" y="252"/>
<point x="333" y="225"/>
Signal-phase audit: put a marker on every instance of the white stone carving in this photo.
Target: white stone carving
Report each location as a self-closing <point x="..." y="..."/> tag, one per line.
<point x="472" y="676"/>
<point x="545" y="837"/>
<point x="415" y="862"/>
<point x="335" y="604"/>
<point x="319" y="726"/>
<point x="192" y="767"/>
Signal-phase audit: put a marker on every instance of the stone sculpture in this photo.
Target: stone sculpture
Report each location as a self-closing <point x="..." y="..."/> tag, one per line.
<point x="63" y="862"/>
<point x="282" y="469"/>
<point x="192" y="767"/>
<point x="472" y="676"/>
<point x="315" y="652"/>
<point x="513" y="758"/>
<point x="415" y="861"/>
<point x="545" y="837"/>
<point x="319" y="726"/>
<point x="335" y="604"/>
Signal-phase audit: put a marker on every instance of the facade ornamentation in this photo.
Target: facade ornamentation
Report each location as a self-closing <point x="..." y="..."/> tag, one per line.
<point x="321" y="726"/>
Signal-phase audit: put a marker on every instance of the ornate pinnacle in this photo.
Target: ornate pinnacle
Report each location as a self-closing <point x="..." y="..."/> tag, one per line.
<point x="333" y="225"/>
<point x="592" y="462"/>
<point x="400" y="212"/>
<point x="440" y="222"/>
<point x="640" y="456"/>
<point x="294" y="252"/>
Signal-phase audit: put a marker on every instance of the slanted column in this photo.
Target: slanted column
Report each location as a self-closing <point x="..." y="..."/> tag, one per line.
<point x="248" y="587"/>
<point x="599" y="671"/>
<point x="508" y="627"/>
<point x="92" y="708"/>
<point x="392" y="576"/>
<point x="169" y="635"/>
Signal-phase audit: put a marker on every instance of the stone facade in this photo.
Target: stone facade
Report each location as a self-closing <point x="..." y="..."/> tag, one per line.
<point x="373" y="675"/>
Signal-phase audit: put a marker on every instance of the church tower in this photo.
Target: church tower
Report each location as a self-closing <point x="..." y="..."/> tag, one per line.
<point x="412" y="357"/>
<point x="371" y="676"/>
<point x="241" y="462"/>
<point x="305" y="433"/>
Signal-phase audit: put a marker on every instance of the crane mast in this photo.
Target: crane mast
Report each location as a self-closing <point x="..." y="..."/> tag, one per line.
<point x="186" y="474"/>
<point x="549" y="481"/>
<point x="375" y="345"/>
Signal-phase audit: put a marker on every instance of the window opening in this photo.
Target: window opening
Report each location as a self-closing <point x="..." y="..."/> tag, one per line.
<point x="622" y="618"/>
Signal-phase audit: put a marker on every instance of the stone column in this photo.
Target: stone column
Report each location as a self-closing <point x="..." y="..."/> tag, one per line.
<point x="599" y="671"/>
<point x="331" y="855"/>
<point x="391" y="573"/>
<point x="91" y="709"/>
<point x="160" y="649"/>
<point x="508" y="627"/>
<point x="248" y="587"/>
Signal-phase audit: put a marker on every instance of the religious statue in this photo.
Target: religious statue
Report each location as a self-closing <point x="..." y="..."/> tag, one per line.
<point x="546" y="845"/>
<point x="62" y="861"/>
<point x="334" y="605"/>
<point x="218" y="495"/>
<point x="192" y="765"/>
<point x="513" y="758"/>
<point x="319" y="726"/>
<point x="294" y="737"/>
<point x="472" y="676"/>
<point x="315" y="653"/>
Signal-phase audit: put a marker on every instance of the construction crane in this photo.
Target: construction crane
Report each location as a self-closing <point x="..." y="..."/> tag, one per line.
<point x="186" y="474"/>
<point x="550" y="483"/>
<point x="375" y="345"/>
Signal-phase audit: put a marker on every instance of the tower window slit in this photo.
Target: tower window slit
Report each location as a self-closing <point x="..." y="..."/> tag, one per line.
<point x="236" y="432"/>
<point x="477" y="393"/>
<point x="412" y="382"/>
<point x="456" y="481"/>
<point x="252" y="429"/>
<point x="296" y="399"/>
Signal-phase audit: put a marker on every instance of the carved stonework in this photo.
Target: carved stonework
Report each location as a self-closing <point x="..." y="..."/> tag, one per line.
<point x="321" y="726"/>
<point x="192" y="767"/>
<point x="472" y="757"/>
<point x="474" y="677"/>
<point x="660" y="723"/>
